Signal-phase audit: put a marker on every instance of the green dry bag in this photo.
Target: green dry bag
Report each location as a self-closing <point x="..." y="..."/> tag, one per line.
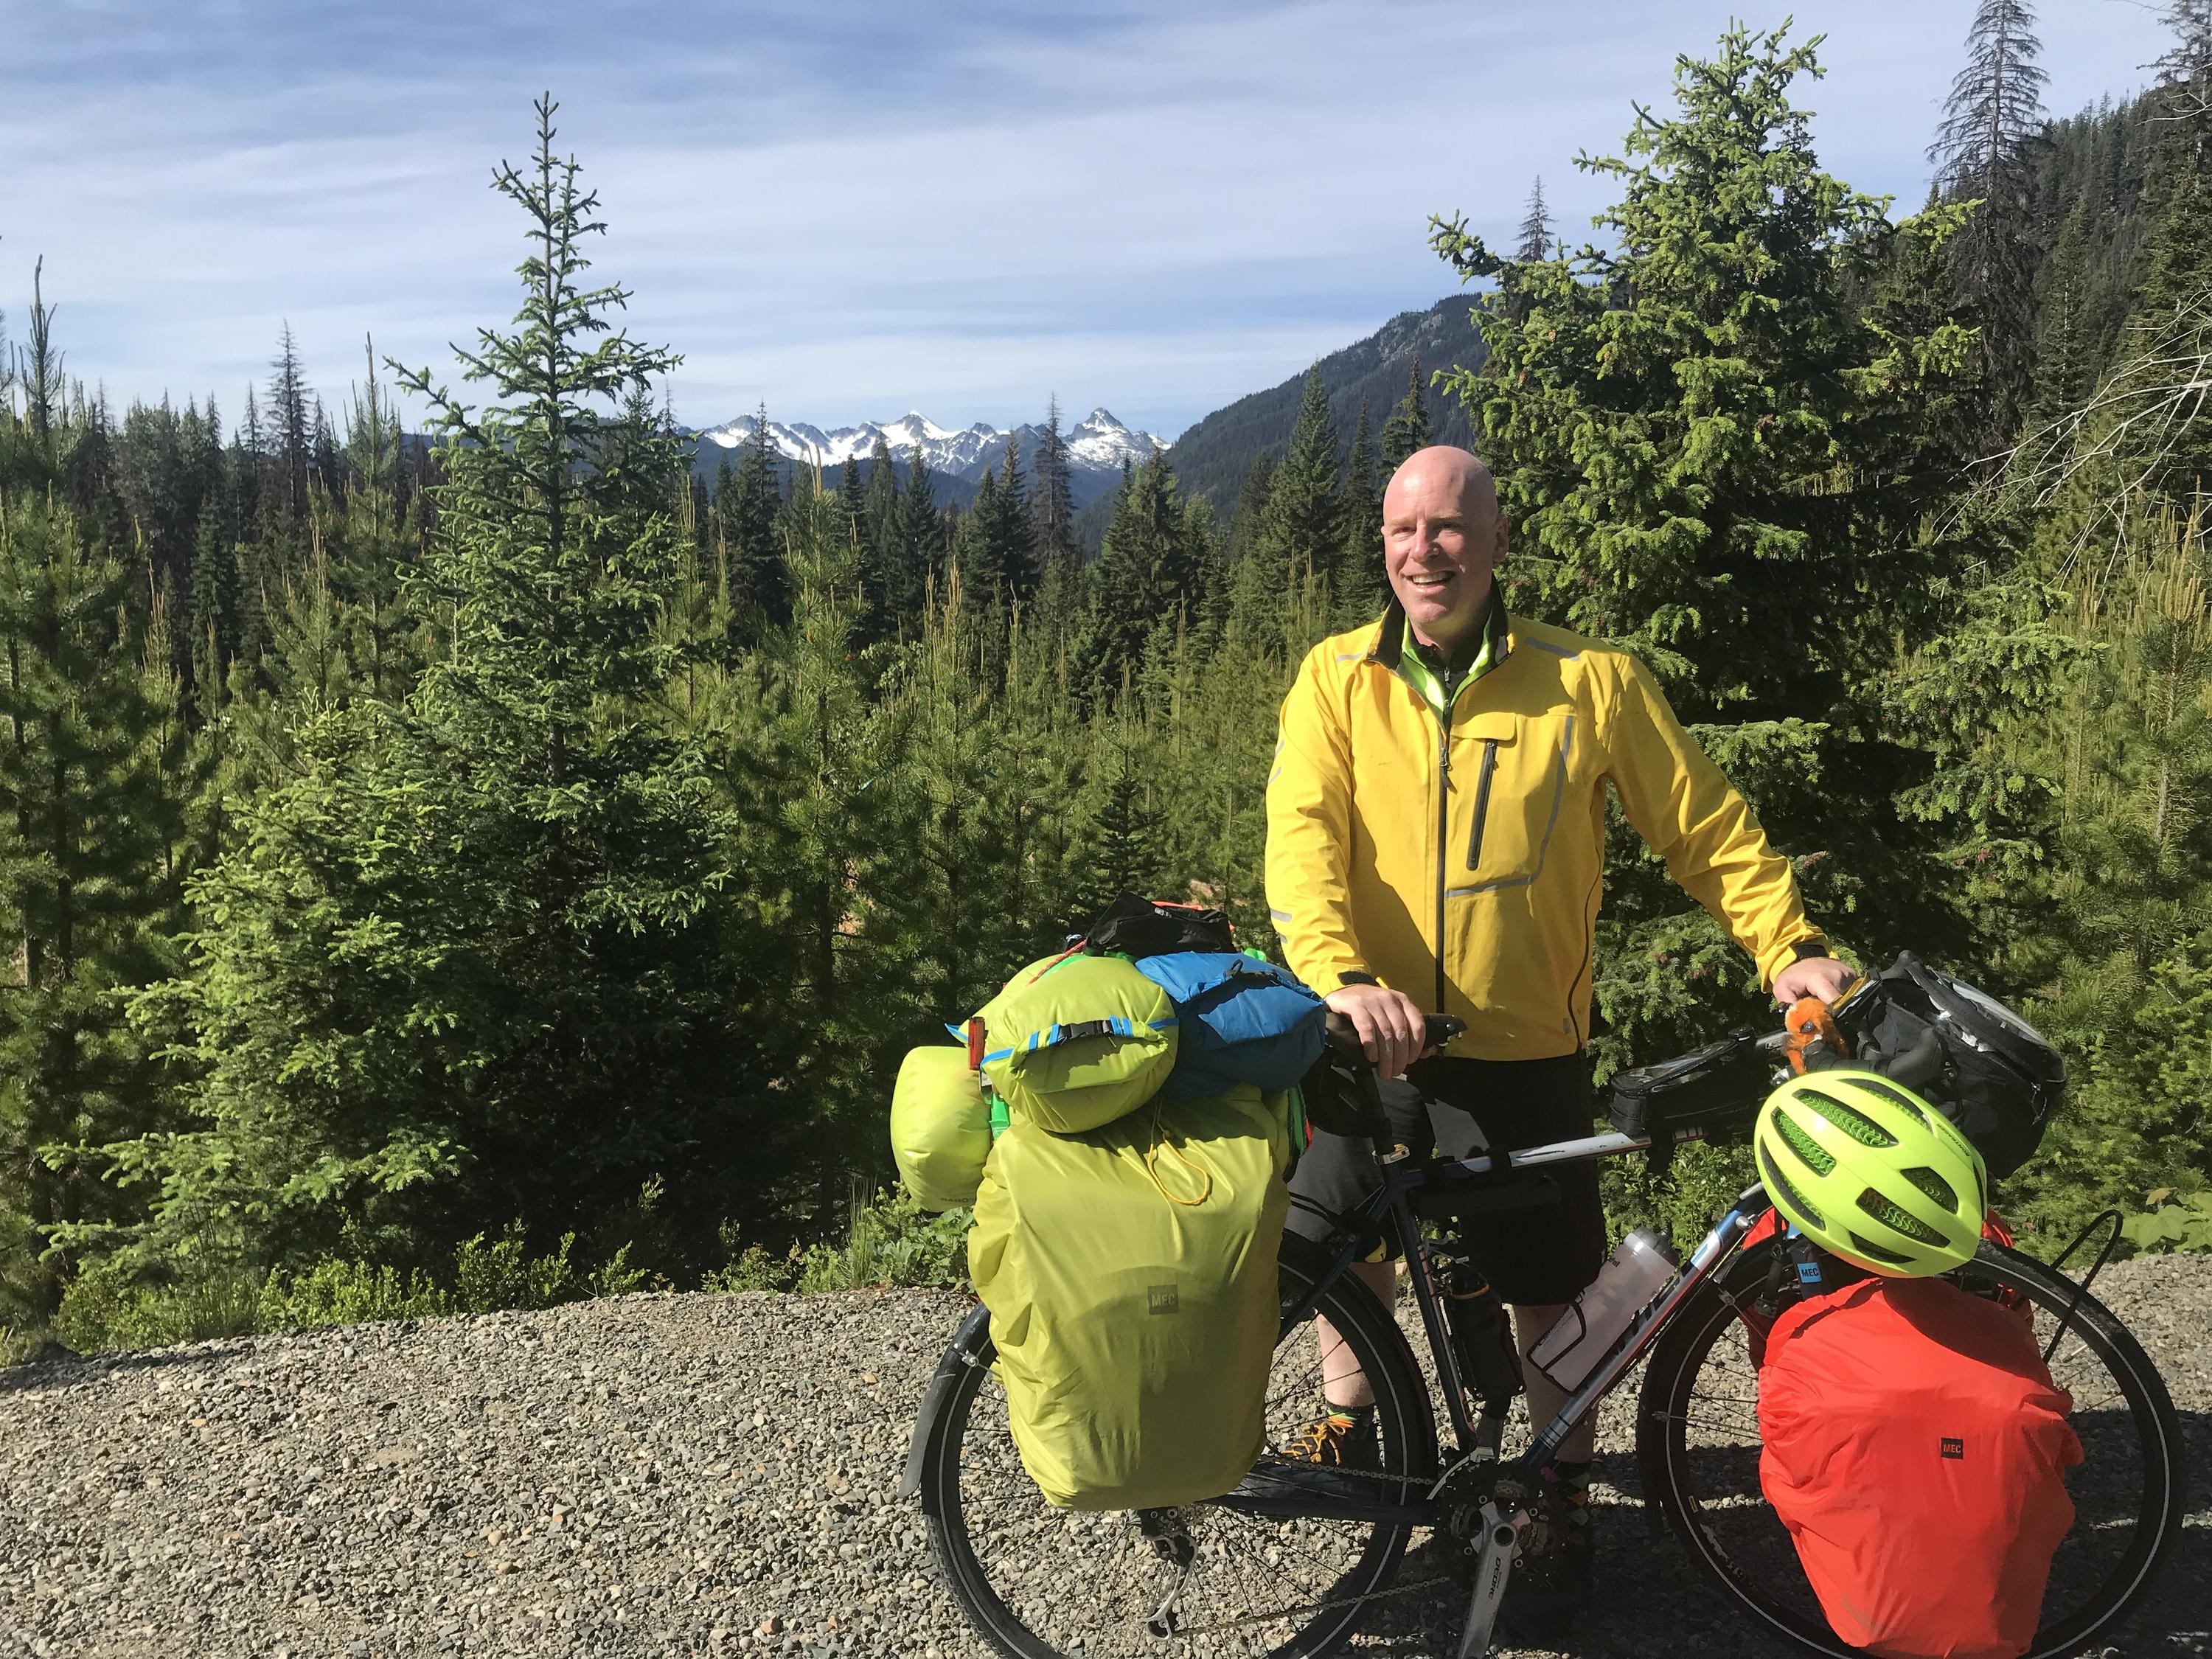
<point x="940" y="1128"/>
<point x="1073" y="1042"/>
<point x="1130" y="1273"/>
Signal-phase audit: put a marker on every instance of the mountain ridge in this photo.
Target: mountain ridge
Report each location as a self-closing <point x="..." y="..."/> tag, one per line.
<point x="1097" y="446"/>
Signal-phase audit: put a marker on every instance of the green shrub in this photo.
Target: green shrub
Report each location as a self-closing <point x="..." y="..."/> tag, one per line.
<point x="2173" y="1223"/>
<point x="890" y="1240"/>
<point x="491" y="1278"/>
<point x="347" y="1293"/>
<point x="107" y="1306"/>
<point x="753" y="1270"/>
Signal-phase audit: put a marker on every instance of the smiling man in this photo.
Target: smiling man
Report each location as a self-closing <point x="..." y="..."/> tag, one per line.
<point x="1436" y="843"/>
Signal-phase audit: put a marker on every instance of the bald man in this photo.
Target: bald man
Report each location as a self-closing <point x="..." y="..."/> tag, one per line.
<point x="1436" y="843"/>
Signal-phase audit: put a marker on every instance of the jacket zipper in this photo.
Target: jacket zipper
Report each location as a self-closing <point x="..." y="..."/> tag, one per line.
<point x="1444" y="836"/>
<point x="1481" y="803"/>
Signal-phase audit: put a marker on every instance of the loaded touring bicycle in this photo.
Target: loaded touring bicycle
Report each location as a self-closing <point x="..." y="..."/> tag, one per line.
<point x="1300" y="1558"/>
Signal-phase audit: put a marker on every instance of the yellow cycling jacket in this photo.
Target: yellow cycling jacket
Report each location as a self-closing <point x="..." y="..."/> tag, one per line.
<point x="1458" y="857"/>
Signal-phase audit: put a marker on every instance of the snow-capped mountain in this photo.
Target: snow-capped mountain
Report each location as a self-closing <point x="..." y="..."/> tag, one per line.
<point x="1096" y="446"/>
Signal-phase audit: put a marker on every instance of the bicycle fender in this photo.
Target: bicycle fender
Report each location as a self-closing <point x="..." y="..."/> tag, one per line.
<point x="974" y="1330"/>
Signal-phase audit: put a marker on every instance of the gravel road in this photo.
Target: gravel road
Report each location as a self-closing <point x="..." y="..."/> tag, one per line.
<point x="650" y="1475"/>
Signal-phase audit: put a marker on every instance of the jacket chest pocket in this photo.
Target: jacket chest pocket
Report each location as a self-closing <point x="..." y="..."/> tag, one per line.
<point x="1517" y="767"/>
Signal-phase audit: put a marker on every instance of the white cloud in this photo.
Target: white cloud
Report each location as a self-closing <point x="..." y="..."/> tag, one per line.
<point x="853" y="212"/>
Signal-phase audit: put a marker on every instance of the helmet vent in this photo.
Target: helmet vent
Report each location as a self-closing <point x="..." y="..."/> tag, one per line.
<point x="1935" y="1186"/>
<point x="1897" y="1097"/>
<point x="1817" y="1157"/>
<point x="1855" y="1123"/>
<point x="1898" y="1220"/>
<point x="1791" y="1200"/>
<point x="1873" y="1251"/>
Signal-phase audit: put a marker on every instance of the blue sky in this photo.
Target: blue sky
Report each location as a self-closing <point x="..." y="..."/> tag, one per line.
<point x="851" y="210"/>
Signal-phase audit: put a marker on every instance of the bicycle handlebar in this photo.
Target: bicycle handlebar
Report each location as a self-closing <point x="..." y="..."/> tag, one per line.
<point x="1343" y="1036"/>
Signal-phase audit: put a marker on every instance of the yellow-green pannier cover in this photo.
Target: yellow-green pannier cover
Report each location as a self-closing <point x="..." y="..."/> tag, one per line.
<point x="940" y="1128"/>
<point x="1075" y="1040"/>
<point x="1130" y="1273"/>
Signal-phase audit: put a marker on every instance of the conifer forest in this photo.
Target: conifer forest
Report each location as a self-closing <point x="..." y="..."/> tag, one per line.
<point x="505" y="861"/>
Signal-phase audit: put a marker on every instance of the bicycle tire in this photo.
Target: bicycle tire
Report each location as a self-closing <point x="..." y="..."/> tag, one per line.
<point x="1742" y="1553"/>
<point x="951" y="1443"/>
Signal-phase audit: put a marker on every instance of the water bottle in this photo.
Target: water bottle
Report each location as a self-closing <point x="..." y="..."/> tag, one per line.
<point x="1482" y="1341"/>
<point x="1570" y="1350"/>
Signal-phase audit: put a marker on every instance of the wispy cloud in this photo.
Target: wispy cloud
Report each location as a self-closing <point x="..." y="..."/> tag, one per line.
<point x="849" y="210"/>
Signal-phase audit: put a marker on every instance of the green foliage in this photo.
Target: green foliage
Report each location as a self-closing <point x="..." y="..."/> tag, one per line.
<point x="1694" y="430"/>
<point x="2184" y="1224"/>
<point x="89" y="833"/>
<point x="539" y="865"/>
<point x="890" y="1240"/>
<point x="474" y="956"/>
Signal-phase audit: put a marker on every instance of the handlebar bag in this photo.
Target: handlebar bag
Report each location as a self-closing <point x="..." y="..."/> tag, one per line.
<point x="1241" y="1019"/>
<point x="1917" y="1448"/>
<point x="940" y="1128"/>
<point x="1130" y="1273"/>
<point x="1075" y="1040"/>
<point x="1944" y="1039"/>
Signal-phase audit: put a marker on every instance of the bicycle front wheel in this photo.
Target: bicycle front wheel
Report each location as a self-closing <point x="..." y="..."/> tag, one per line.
<point x="1040" y="1583"/>
<point x="1697" y="1447"/>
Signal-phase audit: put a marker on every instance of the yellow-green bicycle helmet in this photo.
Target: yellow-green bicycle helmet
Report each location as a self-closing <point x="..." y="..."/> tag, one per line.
<point x="1870" y="1170"/>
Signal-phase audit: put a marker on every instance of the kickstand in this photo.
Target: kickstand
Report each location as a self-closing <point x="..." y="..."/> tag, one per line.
<point x="1493" y="1564"/>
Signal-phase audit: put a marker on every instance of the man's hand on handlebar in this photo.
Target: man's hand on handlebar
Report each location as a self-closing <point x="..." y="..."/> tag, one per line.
<point x="1813" y="976"/>
<point x="1392" y="1031"/>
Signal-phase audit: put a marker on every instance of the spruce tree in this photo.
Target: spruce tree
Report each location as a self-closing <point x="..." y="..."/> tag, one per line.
<point x="1148" y="576"/>
<point x="373" y="539"/>
<point x="882" y="574"/>
<point x="1656" y="419"/>
<point x="1535" y="238"/>
<point x="852" y="503"/>
<point x="1361" y="563"/>
<point x="479" y="959"/>
<point x="1994" y="115"/>
<point x="1302" y="530"/>
<point x="758" y="582"/>
<point x="917" y="547"/>
<point x="87" y="887"/>
<point x="1408" y="428"/>
<point x="1012" y="526"/>
<point x="2184" y="75"/>
<point x="984" y="579"/>
<point x="1052" y="498"/>
<point x="212" y="623"/>
<point x="291" y="439"/>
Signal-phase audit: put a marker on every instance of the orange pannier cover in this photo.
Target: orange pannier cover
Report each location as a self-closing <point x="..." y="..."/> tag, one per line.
<point x="1916" y="1447"/>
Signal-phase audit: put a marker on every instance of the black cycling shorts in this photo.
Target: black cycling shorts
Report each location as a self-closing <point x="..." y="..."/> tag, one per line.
<point x="1458" y="1107"/>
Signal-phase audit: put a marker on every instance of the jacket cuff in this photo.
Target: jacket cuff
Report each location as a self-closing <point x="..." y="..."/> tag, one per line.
<point x="1805" y="941"/>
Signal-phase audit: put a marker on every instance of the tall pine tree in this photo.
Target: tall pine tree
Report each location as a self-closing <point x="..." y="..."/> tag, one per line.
<point x="480" y="959"/>
<point x="1991" y="119"/>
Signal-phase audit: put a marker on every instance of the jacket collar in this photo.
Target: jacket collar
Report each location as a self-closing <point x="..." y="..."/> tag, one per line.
<point x="1390" y="643"/>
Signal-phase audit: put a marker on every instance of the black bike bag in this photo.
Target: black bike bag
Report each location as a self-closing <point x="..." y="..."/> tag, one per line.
<point x="1715" y="1091"/>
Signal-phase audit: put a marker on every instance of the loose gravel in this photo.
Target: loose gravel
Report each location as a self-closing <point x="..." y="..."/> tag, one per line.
<point x="653" y="1475"/>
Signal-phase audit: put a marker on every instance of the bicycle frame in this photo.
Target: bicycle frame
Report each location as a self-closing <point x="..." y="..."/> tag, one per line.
<point x="1393" y="1201"/>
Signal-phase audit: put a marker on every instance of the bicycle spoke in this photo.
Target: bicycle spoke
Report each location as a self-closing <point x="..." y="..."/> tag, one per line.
<point x="1253" y="1582"/>
<point x="1714" y="1451"/>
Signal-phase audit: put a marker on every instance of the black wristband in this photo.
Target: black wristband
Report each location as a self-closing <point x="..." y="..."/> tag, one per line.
<point x="1355" y="977"/>
<point x="1808" y="947"/>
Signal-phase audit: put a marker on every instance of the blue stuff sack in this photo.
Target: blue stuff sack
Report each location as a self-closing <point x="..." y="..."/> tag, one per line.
<point x="1243" y="1019"/>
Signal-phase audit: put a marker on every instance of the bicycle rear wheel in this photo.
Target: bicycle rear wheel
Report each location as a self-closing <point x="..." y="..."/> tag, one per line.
<point x="1697" y="1447"/>
<point x="1040" y="1583"/>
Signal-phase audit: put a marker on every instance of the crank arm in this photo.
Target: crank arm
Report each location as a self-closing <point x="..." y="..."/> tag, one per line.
<point x="1493" y="1565"/>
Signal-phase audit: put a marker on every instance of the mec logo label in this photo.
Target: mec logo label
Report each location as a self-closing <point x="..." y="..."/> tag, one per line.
<point x="1164" y="1298"/>
<point x="1955" y="1448"/>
